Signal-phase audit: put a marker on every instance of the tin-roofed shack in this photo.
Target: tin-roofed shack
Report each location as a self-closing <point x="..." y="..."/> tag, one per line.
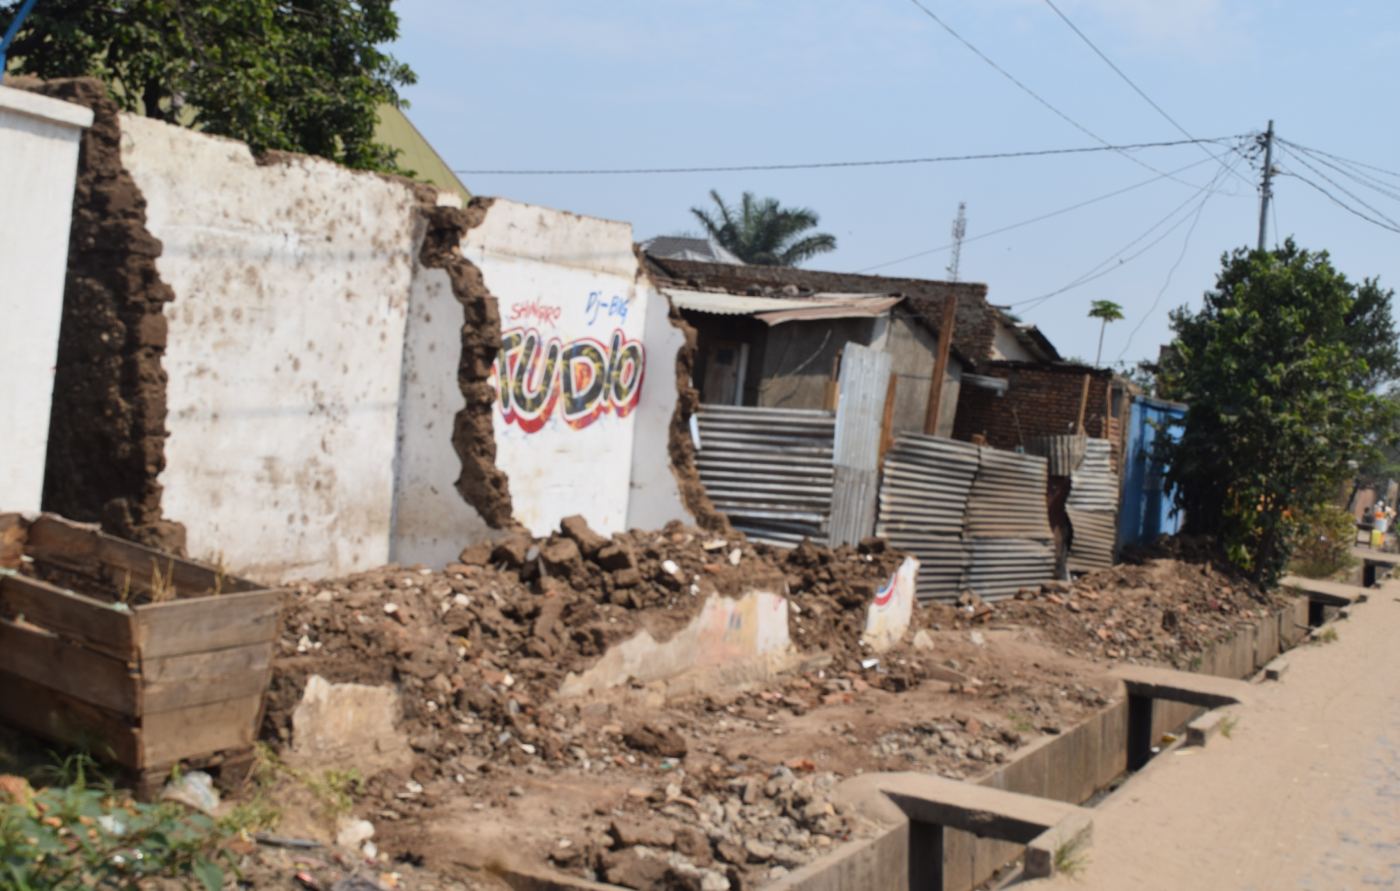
<point x="773" y="336"/>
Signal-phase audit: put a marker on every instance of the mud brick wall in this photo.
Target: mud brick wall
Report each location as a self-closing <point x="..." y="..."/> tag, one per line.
<point x="107" y="426"/>
<point x="1040" y="400"/>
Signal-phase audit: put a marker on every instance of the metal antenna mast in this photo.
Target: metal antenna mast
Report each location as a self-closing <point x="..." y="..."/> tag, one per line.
<point x="959" y="232"/>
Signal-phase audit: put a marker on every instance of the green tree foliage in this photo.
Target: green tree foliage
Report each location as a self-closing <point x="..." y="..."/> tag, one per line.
<point x="295" y="75"/>
<point x="1105" y="311"/>
<point x="764" y="233"/>
<point x="1277" y="367"/>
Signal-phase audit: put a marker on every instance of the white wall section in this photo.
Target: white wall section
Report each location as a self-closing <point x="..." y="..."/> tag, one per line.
<point x="39" y="139"/>
<point x="572" y="367"/>
<point x="285" y="349"/>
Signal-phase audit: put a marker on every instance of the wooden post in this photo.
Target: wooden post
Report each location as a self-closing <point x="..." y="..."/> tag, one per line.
<point x="887" y="422"/>
<point x="1083" y="403"/>
<point x="940" y="363"/>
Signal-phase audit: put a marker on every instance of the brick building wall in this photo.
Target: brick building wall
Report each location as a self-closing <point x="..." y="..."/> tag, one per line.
<point x="1040" y="400"/>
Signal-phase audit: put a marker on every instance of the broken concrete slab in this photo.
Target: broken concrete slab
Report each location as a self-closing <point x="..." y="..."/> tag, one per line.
<point x="348" y="726"/>
<point x="892" y="608"/>
<point x="1203" y="690"/>
<point x="729" y="637"/>
<point x="1325" y="592"/>
<point x="1199" y="731"/>
<point x="1274" y="671"/>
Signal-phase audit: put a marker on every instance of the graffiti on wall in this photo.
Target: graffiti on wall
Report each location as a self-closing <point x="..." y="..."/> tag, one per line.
<point x="583" y="379"/>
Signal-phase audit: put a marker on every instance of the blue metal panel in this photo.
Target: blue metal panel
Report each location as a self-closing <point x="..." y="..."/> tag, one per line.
<point x="1147" y="510"/>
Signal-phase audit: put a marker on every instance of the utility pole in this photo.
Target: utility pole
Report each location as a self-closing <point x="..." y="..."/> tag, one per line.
<point x="1266" y="188"/>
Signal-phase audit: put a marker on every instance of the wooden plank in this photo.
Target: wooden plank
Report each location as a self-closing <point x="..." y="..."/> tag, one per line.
<point x="207" y="623"/>
<point x="94" y="624"/>
<point x="167" y="737"/>
<point x="172" y="695"/>
<point x="47" y="713"/>
<point x="68" y="668"/>
<point x="204" y="665"/>
<point x="199" y="678"/>
<point x="13" y="530"/>
<point x="56" y="540"/>
<point x="940" y="361"/>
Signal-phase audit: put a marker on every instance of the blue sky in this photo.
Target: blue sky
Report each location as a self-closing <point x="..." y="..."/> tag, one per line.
<point x="547" y="83"/>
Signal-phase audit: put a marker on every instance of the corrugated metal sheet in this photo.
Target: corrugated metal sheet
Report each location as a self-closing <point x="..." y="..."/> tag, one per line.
<point x="923" y="499"/>
<point x="1008" y="497"/>
<point x="865" y="376"/>
<point x="1094" y="534"/>
<point x="999" y="567"/>
<point x="1093" y="484"/>
<point x="856" y="308"/>
<point x="769" y="469"/>
<point x="776" y="310"/>
<point x="1092" y="507"/>
<point x="1062" y="453"/>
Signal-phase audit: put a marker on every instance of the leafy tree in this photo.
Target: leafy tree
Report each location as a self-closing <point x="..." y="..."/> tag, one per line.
<point x="296" y="75"/>
<point x="763" y="232"/>
<point x="1276" y="369"/>
<point x="1106" y="311"/>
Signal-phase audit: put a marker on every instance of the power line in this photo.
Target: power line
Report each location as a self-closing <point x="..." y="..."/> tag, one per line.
<point x="1343" y="189"/>
<point x="1344" y="160"/>
<point x="1127" y="80"/>
<point x="1099" y="271"/>
<point x="823" y="165"/>
<point x="1340" y="203"/>
<point x="1166" y="283"/>
<point x="1025" y="89"/>
<point x="1045" y="216"/>
<point x="1351" y="173"/>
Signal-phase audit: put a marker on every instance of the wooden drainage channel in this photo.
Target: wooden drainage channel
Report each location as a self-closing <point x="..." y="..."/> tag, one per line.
<point x="145" y="686"/>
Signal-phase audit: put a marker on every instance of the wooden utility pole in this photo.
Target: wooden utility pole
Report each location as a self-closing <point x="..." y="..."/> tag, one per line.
<point x="940" y="362"/>
<point x="1266" y="191"/>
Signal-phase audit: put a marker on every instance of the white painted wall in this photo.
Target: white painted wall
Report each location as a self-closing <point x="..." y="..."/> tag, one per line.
<point x="656" y="498"/>
<point x="285" y="349"/>
<point x="432" y="522"/>
<point x="38" y="160"/>
<point x="565" y="281"/>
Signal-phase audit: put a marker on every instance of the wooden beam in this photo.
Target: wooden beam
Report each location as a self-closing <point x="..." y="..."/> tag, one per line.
<point x="1083" y="404"/>
<point x="887" y="422"/>
<point x="940" y="363"/>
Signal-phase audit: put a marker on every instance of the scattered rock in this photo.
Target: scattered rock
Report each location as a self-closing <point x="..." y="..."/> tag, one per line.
<point x="655" y="740"/>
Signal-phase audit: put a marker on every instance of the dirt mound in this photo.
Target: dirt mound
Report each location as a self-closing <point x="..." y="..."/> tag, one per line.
<point x="484" y="644"/>
<point x="1165" y="609"/>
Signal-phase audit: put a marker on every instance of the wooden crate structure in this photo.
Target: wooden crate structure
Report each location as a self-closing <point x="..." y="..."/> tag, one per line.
<point x="144" y="686"/>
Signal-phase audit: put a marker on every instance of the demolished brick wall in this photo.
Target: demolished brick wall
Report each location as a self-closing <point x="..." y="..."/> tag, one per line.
<point x="1040" y="400"/>
<point x="107" y="427"/>
<point x="482" y="484"/>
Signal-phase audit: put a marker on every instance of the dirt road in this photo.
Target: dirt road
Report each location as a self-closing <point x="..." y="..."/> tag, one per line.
<point x="1305" y="792"/>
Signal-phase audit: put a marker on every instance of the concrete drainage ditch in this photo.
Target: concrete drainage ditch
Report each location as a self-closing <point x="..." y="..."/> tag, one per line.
<point x="956" y="836"/>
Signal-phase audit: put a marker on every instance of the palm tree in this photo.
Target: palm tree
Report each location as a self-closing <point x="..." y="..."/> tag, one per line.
<point x="1107" y="311"/>
<point x="764" y="233"/>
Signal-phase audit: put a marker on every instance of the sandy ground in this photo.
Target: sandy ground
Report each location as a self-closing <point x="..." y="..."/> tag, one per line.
<point x="1305" y="793"/>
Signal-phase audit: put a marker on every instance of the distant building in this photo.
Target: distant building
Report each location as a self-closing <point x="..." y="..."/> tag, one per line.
<point x="773" y="336"/>
<point x="683" y="247"/>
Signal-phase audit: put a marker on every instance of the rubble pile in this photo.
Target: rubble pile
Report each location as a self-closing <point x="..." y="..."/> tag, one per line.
<point x="727" y="787"/>
<point x="725" y="831"/>
<point x="478" y="650"/>
<point x="1163" y="610"/>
